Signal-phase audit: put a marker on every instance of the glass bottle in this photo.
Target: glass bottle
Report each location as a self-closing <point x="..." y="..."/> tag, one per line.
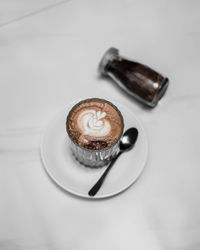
<point x="137" y="79"/>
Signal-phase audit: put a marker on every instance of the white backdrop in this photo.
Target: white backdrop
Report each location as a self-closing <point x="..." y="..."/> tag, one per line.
<point x="49" y="53"/>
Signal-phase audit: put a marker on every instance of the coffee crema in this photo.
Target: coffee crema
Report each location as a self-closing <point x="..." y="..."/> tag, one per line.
<point x="94" y="124"/>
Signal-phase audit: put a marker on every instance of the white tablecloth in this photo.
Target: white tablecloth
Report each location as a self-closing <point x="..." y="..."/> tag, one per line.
<point x="49" y="52"/>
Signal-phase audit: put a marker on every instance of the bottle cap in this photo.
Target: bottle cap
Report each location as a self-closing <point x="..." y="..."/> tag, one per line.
<point x="110" y="55"/>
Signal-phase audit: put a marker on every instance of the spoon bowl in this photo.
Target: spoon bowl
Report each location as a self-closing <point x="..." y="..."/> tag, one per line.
<point x="128" y="139"/>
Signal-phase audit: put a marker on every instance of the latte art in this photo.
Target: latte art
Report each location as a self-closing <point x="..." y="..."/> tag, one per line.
<point x="93" y="123"/>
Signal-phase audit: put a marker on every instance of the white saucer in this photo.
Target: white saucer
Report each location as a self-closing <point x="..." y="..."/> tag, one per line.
<point x="78" y="179"/>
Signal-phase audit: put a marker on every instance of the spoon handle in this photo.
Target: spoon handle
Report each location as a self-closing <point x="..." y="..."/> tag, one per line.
<point x="99" y="183"/>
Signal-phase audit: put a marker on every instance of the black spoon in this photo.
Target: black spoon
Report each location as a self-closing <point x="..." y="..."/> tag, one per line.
<point x="127" y="142"/>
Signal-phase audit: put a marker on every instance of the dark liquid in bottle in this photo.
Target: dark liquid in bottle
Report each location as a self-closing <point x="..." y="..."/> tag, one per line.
<point x="137" y="79"/>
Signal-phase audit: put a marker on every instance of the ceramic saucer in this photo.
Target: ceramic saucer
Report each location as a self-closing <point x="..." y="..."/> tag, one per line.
<point x="78" y="179"/>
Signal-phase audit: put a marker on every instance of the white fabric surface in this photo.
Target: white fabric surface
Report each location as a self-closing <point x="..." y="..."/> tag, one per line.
<point x="48" y="59"/>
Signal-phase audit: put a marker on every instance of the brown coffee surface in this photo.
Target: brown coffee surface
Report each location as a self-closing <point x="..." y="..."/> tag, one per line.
<point x="94" y="124"/>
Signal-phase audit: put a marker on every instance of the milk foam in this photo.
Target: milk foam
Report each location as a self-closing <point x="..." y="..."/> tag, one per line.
<point x="93" y="123"/>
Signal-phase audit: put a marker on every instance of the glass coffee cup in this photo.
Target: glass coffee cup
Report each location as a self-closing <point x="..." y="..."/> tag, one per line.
<point x="94" y="127"/>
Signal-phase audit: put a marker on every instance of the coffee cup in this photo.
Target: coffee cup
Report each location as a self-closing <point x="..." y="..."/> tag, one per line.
<point x="94" y="127"/>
